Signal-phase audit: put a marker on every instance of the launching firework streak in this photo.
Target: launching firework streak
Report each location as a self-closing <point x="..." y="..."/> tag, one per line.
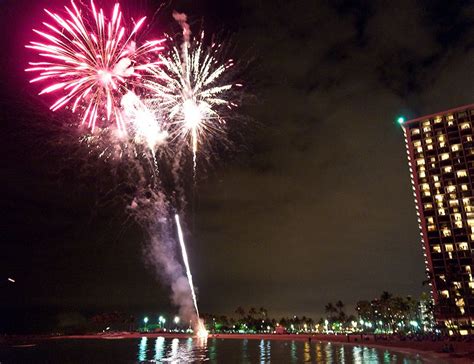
<point x="189" y="88"/>
<point x="201" y="331"/>
<point x="186" y="262"/>
<point x="91" y="60"/>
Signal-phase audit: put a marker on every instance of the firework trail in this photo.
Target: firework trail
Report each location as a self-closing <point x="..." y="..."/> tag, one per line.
<point x="201" y="330"/>
<point x="91" y="62"/>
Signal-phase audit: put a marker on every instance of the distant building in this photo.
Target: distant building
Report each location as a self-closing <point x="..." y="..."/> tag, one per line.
<point x="440" y="151"/>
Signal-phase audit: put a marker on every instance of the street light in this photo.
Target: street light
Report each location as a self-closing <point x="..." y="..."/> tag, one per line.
<point x="145" y="320"/>
<point x="162" y="321"/>
<point x="176" y="322"/>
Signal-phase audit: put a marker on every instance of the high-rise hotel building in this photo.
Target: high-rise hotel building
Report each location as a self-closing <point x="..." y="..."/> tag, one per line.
<point x="440" y="150"/>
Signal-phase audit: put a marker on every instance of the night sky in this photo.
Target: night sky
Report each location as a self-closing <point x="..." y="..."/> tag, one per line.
<point x="313" y="205"/>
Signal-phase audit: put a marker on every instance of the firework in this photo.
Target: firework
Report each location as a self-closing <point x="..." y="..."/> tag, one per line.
<point x="189" y="89"/>
<point x="143" y="122"/>
<point x="91" y="60"/>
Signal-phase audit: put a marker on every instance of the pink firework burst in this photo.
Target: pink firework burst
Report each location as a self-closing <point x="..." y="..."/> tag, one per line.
<point x="91" y="61"/>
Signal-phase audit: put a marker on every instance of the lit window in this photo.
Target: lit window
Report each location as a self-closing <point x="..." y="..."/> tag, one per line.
<point x="471" y="285"/>
<point x="430" y="220"/>
<point x="425" y="186"/>
<point x="448" y="247"/>
<point x="458" y="224"/>
<point x="436" y="249"/>
<point x="457" y="285"/>
<point x="464" y="187"/>
<point x="437" y="119"/>
<point x="439" y="197"/>
<point x="453" y="203"/>
<point x="415" y="131"/>
<point x="420" y="161"/>
<point x="469" y="138"/>
<point x="445" y="293"/>
<point x="451" y="188"/>
<point x="426" y="123"/>
<point x="444" y="156"/>
<point x="426" y="193"/>
<point x="435" y="178"/>
<point x="426" y="129"/>
<point x="442" y="144"/>
<point x="429" y="141"/>
<point x="430" y="147"/>
<point x="463" y="246"/>
<point x="465" y="126"/>
<point x="437" y="184"/>
<point x="468" y="267"/>
<point x="417" y="143"/>
<point x="446" y="233"/>
<point x="441" y="138"/>
<point x="457" y="217"/>
<point x="465" y="201"/>
<point x="462" y="173"/>
<point x="422" y="174"/>
<point x="441" y="212"/>
<point x="450" y="123"/>
<point x="455" y="147"/>
<point x="428" y="206"/>
<point x="470" y="222"/>
<point x="448" y="169"/>
<point x="419" y="150"/>
<point x="431" y="227"/>
<point x="442" y="277"/>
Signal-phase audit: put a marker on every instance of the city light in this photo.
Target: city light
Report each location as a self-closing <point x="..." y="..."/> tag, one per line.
<point x="400" y="120"/>
<point x="176" y="320"/>
<point x="145" y="320"/>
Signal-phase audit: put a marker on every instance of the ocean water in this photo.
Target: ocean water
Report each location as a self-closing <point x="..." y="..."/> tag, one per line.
<point x="212" y="350"/>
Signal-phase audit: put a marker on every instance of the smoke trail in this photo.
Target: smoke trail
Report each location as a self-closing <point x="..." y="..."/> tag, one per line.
<point x="152" y="210"/>
<point x="182" y="19"/>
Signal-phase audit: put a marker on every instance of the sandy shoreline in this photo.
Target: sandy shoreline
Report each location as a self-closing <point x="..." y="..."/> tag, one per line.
<point x="429" y="350"/>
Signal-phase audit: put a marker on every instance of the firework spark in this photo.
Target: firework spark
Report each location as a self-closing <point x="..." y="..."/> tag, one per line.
<point x="91" y="60"/>
<point x="143" y="121"/>
<point x="189" y="88"/>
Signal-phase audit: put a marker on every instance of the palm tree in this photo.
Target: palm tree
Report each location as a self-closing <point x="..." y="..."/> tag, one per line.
<point x="331" y="311"/>
<point x="252" y="312"/>
<point x="240" y="311"/>
<point x="263" y="312"/>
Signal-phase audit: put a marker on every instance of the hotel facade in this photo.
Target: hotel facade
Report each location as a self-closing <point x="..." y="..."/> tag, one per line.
<point x="440" y="150"/>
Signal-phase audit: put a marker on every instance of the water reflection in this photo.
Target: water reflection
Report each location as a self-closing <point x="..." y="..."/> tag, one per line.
<point x="159" y="348"/>
<point x="142" y="349"/>
<point x="294" y="357"/>
<point x="357" y="355"/>
<point x="252" y="351"/>
<point x="328" y="352"/>
<point x="319" y="353"/>
<point x="342" y="354"/>
<point x="307" y="352"/>
<point x="245" y="357"/>
<point x="265" y="348"/>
